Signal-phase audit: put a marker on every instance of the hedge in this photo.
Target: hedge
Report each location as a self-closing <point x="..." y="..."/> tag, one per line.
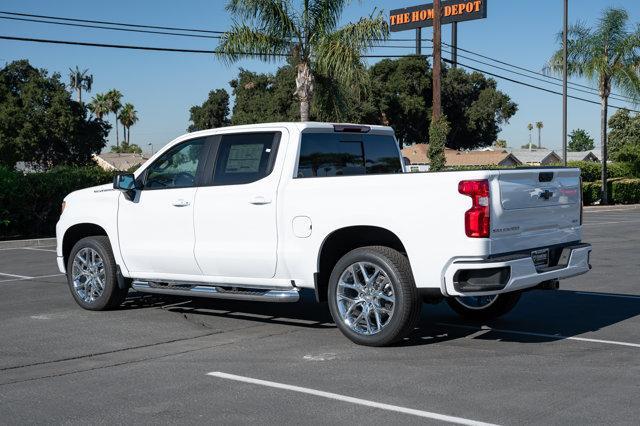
<point x="591" y="172"/>
<point x="621" y="191"/>
<point x="30" y="203"/>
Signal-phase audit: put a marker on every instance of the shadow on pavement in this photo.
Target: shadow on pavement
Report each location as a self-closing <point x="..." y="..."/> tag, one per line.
<point x="553" y="314"/>
<point x="547" y="315"/>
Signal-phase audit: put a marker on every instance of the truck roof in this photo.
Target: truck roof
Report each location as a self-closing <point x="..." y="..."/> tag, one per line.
<point x="300" y="126"/>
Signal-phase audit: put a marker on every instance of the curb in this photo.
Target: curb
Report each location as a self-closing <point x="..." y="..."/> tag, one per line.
<point x="38" y="242"/>
<point x="612" y="207"/>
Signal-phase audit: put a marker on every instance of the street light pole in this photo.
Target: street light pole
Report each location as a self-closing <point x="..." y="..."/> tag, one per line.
<point x="564" y="81"/>
<point x="437" y="60"/>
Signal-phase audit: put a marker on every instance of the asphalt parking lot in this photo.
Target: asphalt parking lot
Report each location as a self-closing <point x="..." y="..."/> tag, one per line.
<point x="570" y="356"/>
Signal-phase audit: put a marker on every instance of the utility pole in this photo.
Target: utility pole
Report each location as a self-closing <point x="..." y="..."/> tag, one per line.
<point x="419" y="41"/>
<point x="564" y="81"/>
<point x="437" y="60"/>
<point x="454" y="44"/>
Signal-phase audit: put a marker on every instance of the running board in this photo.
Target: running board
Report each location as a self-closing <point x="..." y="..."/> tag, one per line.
<point x="218" y="292"/>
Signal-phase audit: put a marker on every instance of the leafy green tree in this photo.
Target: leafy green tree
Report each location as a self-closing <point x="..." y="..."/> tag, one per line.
<point x="80" y="80"/>
<point x="99" y="106"/>
<point x="400" y="96"/>
<point x="128" y="117"/>
<point x="262" y="98"/>
<point x="270" y="29"/>
<point x="475" y="108"/>
<point x="579" y="140"/>
<point x="127" y="148"/>
<point x="114" y="99"/>
<point x="624" y="132"/>
<point x="501" y="143"/>
<point x="609" y="56"/>
<point x="40" y="123"/>
<point x="214" y="112"/>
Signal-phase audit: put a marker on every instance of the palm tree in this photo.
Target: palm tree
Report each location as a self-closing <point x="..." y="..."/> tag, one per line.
<point x="309" y="36"/>
<point x="530" y="128"/>
<point x="609" y="56"/>
<point x="99" y="105"/>
<point x="539" y="126"/>
<point x="128" y="117"/>
<point x="79" y="80"/>
<point x="114" y="98"/>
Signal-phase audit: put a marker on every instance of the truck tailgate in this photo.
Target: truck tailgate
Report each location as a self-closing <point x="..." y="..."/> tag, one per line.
<point x="536" y="208"/>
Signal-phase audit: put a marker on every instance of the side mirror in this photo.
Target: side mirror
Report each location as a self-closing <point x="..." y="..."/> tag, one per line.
<point x="124" y="182"/>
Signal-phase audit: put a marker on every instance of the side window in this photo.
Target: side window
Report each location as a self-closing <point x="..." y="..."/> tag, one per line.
<point x="176" y="168"/>
<point x="340" y="154"/>
<point x="328" y="154"/>
<point x="245" y="158"/>
<point x="382" y="154"/>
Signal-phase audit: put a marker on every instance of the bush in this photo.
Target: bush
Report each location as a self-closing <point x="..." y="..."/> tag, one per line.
<point x="621" y="191"/>
<point x="625" y="191"/>
<point x="30" y="203"/>
<point x="590" y="192"/>
<point x="591" y="171"/>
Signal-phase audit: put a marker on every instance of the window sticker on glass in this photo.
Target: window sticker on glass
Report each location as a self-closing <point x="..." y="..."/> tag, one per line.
<point x="244" y="158"/>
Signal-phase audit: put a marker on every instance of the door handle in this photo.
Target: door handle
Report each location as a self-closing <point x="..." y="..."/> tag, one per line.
<point x="260" y="200"/>
<point x="181" y="203"/>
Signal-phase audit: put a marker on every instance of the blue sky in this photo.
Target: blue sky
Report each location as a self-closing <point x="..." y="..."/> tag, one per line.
<point x="163" y="86"/>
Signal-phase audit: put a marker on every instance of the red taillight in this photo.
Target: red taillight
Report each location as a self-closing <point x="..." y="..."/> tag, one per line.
<point x="477" y="223"/>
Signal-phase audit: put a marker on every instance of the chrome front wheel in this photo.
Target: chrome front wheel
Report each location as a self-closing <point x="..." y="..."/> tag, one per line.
<point x="88" y="274"/>
<point x="92" y="274"/>
<point x="365" y="298"/>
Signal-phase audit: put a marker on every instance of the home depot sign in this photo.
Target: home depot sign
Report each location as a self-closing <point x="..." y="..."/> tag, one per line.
<point x="413" y="17"/>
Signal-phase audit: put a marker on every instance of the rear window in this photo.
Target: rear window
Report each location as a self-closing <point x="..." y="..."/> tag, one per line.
<point x="343" y="154"/>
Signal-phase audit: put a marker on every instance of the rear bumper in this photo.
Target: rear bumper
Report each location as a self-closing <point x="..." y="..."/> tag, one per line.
<point x="469" y="277"/>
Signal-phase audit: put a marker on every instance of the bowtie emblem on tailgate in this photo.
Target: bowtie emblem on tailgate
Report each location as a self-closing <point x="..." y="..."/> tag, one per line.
<point x="543" y="194"/>
<point x="546" y="194"/>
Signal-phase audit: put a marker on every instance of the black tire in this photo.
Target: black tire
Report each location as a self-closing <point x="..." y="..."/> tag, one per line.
<point x="112" y="296"/>
<point x="407" y="302"/>
<point x="502" y="305"/>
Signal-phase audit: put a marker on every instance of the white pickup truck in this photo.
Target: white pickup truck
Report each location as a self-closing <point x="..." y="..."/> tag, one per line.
<point x="273" y="211"/>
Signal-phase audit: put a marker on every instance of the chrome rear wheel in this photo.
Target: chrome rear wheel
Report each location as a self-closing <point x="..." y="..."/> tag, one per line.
<point x="477" y="302"/>
<point x="365" y="298"/>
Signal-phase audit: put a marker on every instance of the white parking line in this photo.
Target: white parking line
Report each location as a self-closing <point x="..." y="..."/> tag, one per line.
<point x="37" y="249"/>
<point x="15" y="276"/>
<point x="551" y="336"/>
<point x="29" y="278"/>
<point x="344" y="398"/>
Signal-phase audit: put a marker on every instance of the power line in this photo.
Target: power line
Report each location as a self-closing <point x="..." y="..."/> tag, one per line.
<point x="534" y="72"/>
<point x="155" y="49"/>
<point x="537" y="87"/>
<point x="537" y="78"/>
<point x="195" y="30"/>
<point x="102" y="27"/>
